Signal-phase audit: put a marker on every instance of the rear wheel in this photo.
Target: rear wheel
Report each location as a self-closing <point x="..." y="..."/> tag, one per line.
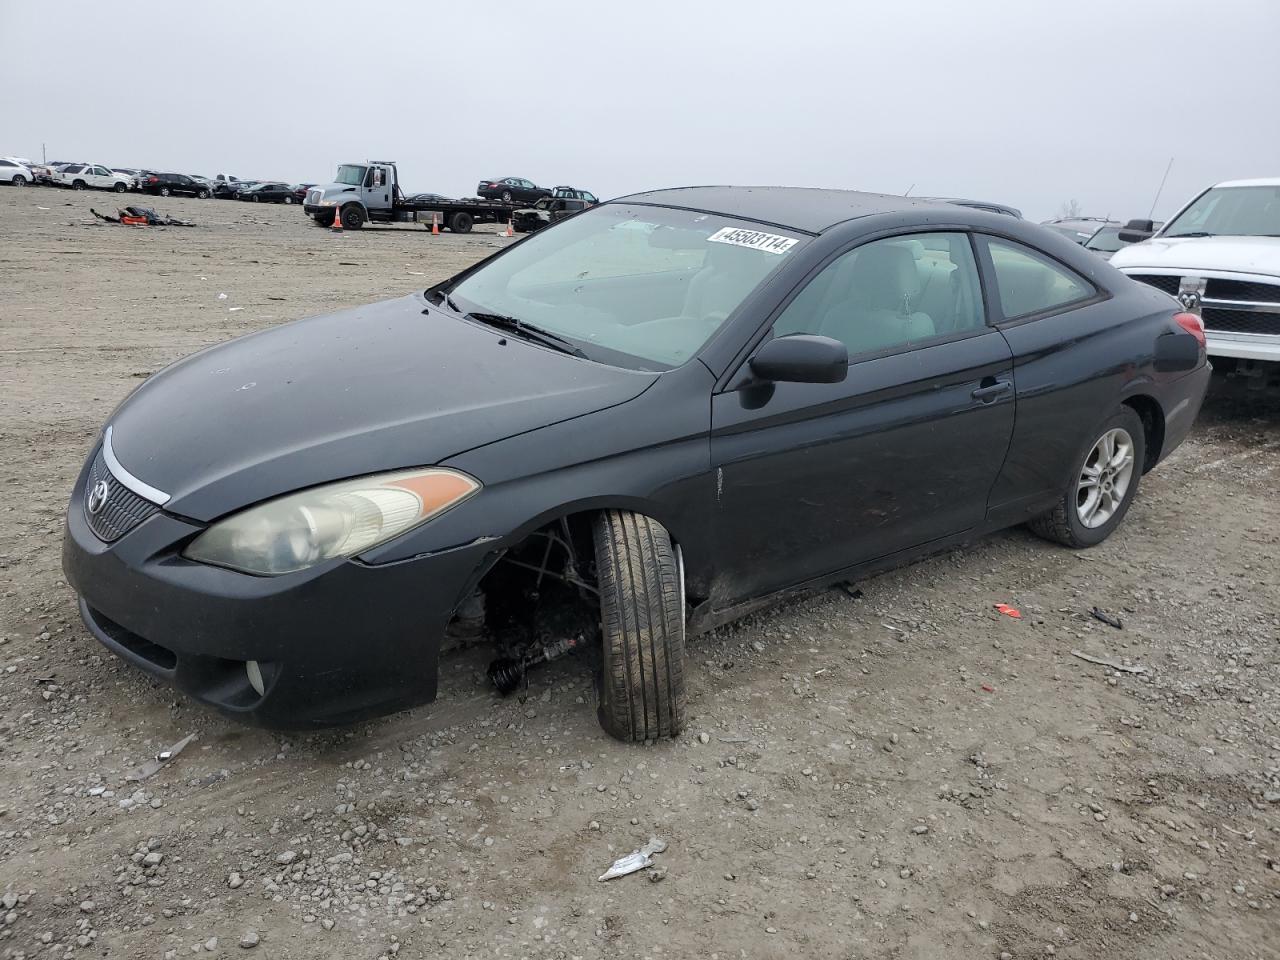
<point x="639" y="576"/>
<point x="288" y="199"/>
<point x="506" y="196"/>
<point x="121" y="187"/>
<point x="79" y="185"/>
<point x="164" y="191"/>
<point x="461" y="222"/>
<point x="1102" y="485"/>
<point x="203" y="194"/>
<point x="19" y="181"/>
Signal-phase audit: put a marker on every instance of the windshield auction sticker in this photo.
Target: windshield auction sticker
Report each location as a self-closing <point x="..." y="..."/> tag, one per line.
<point x="768" y="242"/>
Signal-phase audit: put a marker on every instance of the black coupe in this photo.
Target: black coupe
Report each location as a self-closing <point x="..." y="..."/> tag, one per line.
<point x="641" y="420"/>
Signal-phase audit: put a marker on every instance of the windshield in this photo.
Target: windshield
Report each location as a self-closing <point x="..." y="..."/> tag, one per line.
<point x="635" y="285"/>
<point x="352" y="174"/>
<point x="1107" y="240"/>
<point x="1234" y="211"/>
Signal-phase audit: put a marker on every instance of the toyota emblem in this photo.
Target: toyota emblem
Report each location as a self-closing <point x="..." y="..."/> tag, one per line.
<point x="98" y="497"/>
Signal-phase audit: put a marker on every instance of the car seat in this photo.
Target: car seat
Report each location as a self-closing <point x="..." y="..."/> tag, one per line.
<point x="874" y="293"/>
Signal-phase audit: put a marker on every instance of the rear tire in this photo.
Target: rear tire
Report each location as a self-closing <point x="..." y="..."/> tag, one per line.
<point x="164" y="191"/>
<point x="19" y="181"/>
<point x="460" y="222"/>
<point x="642" y="692"/>
<point x="506" y="196"/>
<point x="1069" y="522"/>
<point x="121" y="187"/>
<point x="203" y="194"/>
<point x="79" y="185"/>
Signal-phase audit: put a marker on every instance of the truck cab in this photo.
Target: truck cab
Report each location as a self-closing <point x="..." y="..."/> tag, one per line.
<point x="360" y="191"/>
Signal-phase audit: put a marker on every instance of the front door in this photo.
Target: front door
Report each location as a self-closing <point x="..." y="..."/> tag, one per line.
<point x="377" y="187"/>
<point x="903" y="452"/>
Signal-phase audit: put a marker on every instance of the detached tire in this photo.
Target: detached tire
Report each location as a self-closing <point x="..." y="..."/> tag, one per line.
<point x="642" y="695"/>
<point x="1102" y="485"/>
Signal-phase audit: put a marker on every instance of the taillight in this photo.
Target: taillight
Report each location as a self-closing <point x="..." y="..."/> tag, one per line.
<point x="1192" y="324"/>
<point x="153" y="179"/>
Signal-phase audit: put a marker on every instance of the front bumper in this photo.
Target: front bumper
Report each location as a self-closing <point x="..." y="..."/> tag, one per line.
<point x="337" y="643"/>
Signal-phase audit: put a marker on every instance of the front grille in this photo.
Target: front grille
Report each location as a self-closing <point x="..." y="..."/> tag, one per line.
<point x="1168" y="284"/>
<point x="313" y="197"/>
<point x="1242" y="290"/>
<point x="123" y="509"/>
<point x="1240" y="321"/>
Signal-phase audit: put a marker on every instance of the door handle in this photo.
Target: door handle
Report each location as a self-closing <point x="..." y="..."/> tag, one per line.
<point x="991" y="388"/>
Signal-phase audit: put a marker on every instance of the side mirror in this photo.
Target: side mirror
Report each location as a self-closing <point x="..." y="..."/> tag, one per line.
<point x="1135" y="231"/>
<point x="801" y="358"/>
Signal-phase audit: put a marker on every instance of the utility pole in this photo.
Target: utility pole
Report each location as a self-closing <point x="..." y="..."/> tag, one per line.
<point x="1152" y="212"/>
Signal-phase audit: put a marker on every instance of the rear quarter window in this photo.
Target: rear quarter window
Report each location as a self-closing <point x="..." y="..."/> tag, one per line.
<point x="1029" y="282"/>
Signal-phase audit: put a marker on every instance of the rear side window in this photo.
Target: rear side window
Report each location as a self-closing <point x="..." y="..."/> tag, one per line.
<point x="73" y="168"/>
<point x="6" y="163"/>
<point x="1029" y="283"/>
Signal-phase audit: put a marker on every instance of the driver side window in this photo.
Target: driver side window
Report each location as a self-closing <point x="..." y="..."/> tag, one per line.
<point x="891" y="294"/>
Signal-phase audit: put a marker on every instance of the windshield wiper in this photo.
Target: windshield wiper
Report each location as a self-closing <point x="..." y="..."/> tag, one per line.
<point x="528" y="331"/>
<point x="1193" y="233"/>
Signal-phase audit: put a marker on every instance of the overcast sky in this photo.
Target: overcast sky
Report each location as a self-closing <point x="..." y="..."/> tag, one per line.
<point x="1028" y="102"/>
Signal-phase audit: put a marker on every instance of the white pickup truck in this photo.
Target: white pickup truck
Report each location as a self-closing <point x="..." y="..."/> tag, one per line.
<point x="1220" y="255"/>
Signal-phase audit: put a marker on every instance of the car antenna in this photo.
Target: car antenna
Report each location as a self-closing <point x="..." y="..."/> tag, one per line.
<point x="909" y="189"/>
<point x="1152" y="212"/>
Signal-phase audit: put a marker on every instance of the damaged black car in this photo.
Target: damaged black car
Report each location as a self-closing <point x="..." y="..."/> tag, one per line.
<point x="637" y="423"/>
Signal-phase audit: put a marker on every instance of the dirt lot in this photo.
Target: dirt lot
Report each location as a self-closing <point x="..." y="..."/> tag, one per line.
<point x="908" y="774"/>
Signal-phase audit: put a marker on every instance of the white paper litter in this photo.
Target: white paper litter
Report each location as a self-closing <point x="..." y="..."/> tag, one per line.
<point x="635" y="860"/>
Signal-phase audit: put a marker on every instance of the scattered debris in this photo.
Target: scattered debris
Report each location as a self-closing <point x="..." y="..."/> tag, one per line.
<point x="1106" y="618"/>
<point x="152" y="767"/>
<point x="1108" y="663"/>
<point x="635" y="860"/>
<point x="141" y="217"/>
<point x="1009" y="611"/>
<point x="988" y="688"/>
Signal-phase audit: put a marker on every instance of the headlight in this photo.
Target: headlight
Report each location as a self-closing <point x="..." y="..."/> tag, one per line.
<point x="299" y="530"/>
<point x="328" y="203"/>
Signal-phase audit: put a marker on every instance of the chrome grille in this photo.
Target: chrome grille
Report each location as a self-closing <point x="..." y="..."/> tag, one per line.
<point x="1217" y="319"/>
<point x="123" y="509"/>
<point x="1168" y="284"/>
<point x="1242" y="290"/>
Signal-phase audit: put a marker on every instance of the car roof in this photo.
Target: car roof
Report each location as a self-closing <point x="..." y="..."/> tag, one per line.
<point x="810" y="209"/>
<point x="1259" y="182"/>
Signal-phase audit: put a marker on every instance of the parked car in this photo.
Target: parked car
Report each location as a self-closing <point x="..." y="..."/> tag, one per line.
<point x="1220" y="255"/>
<point x="425" y="197"/>
<point x="545" y="211"/>
<point x="986" y="205"/>
<point x="512" y="189"/>
<point x="176" y="184"/>
<point x="573" y="193"/>
<point x="270" y="192"/>
<point x="767" y="389"/>
<point x="1107" y="240"/>
<point x="300" y="191"/>
<point x="1076" y="229"/>
<point x="83" y="176"/>
<point x="15" y="174"/>
<point x="230" y="189"/>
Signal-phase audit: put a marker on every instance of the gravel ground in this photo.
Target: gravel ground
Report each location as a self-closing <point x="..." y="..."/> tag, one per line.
<point x="905" y="774"/>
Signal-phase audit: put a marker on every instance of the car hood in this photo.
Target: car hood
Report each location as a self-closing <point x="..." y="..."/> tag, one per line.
<point x="328" y="190"/>
<point x="1229" y="254"/>
<point x="380" y="387"/>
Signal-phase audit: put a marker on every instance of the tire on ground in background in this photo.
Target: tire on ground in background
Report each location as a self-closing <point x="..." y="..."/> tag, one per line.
<point x="642" y="693"/>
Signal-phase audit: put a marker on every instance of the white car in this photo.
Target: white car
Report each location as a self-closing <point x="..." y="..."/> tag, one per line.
<point x="81" y="176"/>
<point x="1220" y="255"/>
<point x="15" y="172"/>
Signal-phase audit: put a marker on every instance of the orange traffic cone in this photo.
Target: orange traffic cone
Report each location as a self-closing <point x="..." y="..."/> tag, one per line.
<point x="337" y="221"/>
<point x="510" y="232"/>
<point x="435" y="224"/>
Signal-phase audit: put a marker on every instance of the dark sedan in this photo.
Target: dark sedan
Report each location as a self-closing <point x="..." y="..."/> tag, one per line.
<point x="231" y="189"/>
<point x="644" y="419"/>
<point x="173" y="184"/>
<point x="512" y="190"/>
<point x="267" y="193"/>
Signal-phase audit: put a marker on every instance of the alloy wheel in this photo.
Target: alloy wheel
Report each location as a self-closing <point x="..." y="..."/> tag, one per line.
<point x="1105" y="478"/>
